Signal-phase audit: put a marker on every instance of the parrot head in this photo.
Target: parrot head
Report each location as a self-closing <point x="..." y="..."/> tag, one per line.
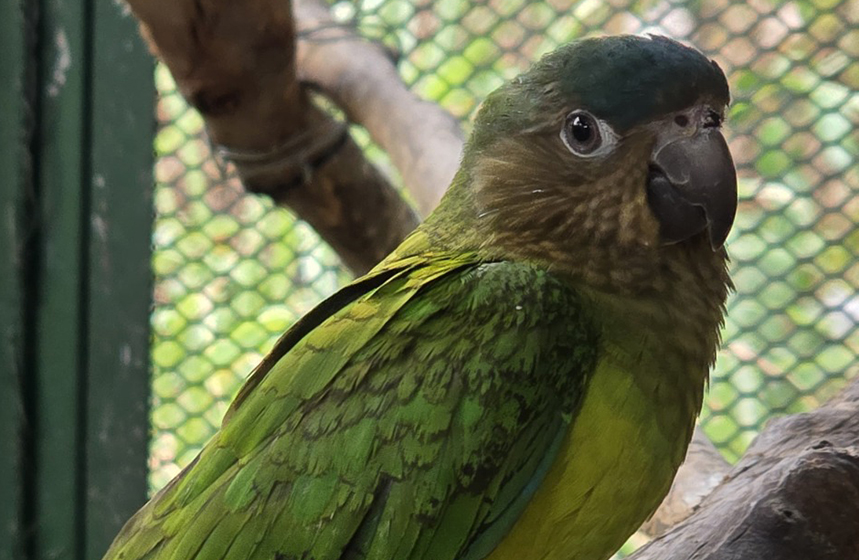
<point x="608" y="151"/>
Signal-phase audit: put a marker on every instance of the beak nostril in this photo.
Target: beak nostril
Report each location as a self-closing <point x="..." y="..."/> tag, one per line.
<point x="712" y="120"/>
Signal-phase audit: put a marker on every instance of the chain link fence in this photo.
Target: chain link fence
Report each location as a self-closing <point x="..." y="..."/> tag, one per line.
<point x="233" y="271"/>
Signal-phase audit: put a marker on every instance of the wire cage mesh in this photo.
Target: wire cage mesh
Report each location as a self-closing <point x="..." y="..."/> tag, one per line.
<point x="233" y="271"/>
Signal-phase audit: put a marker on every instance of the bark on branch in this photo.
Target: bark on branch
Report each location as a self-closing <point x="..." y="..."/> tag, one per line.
<point x="423" y="141"/>
<point x="234" y="61"/>
<point x="702" y="471"/>
<point x="793" y="496"/>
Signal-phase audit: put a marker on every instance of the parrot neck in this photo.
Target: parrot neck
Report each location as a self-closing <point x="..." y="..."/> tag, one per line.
<point x="668" y="300"/>
<point x="598" y="248"/>
<point x="677" y="292"/>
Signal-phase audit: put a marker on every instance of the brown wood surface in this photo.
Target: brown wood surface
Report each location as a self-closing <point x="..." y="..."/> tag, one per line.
<point x="794" y="495"/>
<point x="423" y="140"/>
<point x="235" y="63"/>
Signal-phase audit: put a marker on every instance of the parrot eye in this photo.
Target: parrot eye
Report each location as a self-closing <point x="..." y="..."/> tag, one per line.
<point x="585" y="135"/>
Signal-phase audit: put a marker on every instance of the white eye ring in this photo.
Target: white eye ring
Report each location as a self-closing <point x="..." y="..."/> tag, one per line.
<point x="587" y="136"/>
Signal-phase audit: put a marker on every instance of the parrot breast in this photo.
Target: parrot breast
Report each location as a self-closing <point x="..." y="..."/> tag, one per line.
<point x="619" y="457"/>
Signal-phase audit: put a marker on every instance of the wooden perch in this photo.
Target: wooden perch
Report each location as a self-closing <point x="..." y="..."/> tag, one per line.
<point x="423" y="141"/>
<point x="234" y="62"/>
<point x="702" y="471"/>
<point x="793" y="496"/>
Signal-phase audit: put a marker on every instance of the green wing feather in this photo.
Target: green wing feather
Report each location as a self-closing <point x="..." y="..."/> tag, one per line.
<point x="409" y="416"/>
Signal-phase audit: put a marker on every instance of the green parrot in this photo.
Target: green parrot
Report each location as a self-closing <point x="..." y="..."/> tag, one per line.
<point x="520" y="378"/>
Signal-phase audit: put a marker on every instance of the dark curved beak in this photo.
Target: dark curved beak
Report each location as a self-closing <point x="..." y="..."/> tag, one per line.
<point x="692" y="186"/>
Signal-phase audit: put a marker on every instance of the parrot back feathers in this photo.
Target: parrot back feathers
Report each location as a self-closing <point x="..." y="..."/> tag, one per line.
<point x="414" y="421"/>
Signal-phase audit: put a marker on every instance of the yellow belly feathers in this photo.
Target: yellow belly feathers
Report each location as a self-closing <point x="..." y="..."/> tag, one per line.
<point x="613" y="469"/>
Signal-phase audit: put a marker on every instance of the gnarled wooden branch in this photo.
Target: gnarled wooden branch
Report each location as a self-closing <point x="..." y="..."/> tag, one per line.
<point x="702" y="471"/>
<point x="423" y="141"/>
<point x="794" y="495"/>
<point x="234" y="61"/>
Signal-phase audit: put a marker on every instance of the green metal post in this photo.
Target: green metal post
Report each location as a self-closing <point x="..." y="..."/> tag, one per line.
<point x="12" y="188"/>
<point x="119" y="185"/>
<point x="76" y="130"/>
<point x="61" y="150"/>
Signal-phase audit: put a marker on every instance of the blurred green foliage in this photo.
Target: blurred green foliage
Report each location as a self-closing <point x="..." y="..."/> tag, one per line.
<point x="233" y="272"/>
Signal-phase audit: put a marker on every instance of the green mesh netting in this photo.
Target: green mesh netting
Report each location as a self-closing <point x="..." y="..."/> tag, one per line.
<point x="233" y="272"/>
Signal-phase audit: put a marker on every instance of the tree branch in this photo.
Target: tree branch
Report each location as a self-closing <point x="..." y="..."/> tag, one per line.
<point x="702" y="471"/>
<point x="423" y="140"/>
<point x="234" y="62"/>
<point x="794" y="495"/>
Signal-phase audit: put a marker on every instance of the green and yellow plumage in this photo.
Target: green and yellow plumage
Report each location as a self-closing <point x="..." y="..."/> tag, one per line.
<point x="519" y="379"/>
